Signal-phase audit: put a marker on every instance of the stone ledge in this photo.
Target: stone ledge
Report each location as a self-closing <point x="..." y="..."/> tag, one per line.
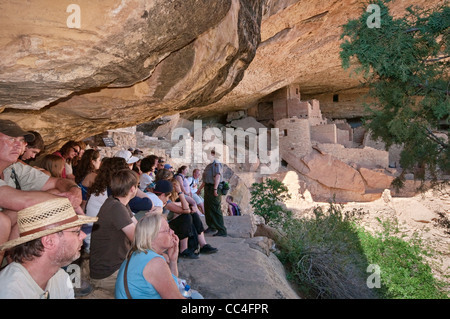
<point x="236" y="271"/>
<point x="243" y="268"/>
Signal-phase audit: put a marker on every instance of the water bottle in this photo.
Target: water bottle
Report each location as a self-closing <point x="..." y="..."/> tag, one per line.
<point x="187" y="292"/>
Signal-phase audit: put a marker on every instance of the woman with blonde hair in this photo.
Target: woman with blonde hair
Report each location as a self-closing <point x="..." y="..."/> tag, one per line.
<point x="53" y="165"/>
<point x="148" y="273"/>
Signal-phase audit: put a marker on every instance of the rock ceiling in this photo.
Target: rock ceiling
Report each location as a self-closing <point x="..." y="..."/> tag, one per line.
<point x="129" y="62"/>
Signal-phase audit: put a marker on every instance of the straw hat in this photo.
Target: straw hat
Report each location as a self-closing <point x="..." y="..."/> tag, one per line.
<point x="44" y="219"/>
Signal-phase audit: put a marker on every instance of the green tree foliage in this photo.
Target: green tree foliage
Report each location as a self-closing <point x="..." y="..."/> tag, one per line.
<point x="405" y="64"/>
<point x="266" y="198"/>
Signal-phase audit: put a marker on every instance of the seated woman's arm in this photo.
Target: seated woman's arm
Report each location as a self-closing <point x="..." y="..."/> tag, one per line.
<point x="177" y="208"/>
<point x="157" y="273"/>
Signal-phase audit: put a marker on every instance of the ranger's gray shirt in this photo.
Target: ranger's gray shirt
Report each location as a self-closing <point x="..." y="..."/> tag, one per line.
<point x="211" y="171"/>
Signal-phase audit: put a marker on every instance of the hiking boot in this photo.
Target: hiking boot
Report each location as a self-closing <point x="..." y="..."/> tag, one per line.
<point x="208" y="249"/>
<point x="188" y="254"/>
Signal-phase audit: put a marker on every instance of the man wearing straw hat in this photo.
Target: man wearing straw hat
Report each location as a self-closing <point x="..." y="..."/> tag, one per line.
<point x="22" y="185"/>
<point x="50" y="238"/>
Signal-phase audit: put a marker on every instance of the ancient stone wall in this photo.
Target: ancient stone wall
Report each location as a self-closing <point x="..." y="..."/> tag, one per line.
<point x="294" y="136"/>
<point x="393" y="151"/>
<point x="344" y="137"/>
<point x="324" y="133"/>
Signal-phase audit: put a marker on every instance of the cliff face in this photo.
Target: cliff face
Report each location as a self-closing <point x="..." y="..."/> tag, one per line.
<point x="127" y="63"/>
<point x="70" y="72"/>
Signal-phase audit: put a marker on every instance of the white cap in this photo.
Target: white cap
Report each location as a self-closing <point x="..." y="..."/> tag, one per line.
<point x="127" y="156"/>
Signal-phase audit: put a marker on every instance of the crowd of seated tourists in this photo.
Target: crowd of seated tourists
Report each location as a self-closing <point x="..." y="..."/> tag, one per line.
<point x="131" y="214"/>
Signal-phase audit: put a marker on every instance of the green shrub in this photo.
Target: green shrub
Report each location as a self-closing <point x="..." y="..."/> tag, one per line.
<point x="328" y="255"/>
<point x="265" y="199"/>
<point x="324" y="256"/>
<point x="404" y="272"/>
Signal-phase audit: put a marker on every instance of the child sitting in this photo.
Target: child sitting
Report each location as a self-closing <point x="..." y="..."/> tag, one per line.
<point x="233" y="208"/>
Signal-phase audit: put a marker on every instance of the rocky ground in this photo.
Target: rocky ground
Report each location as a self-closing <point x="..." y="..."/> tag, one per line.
<point x="427" y="215"/>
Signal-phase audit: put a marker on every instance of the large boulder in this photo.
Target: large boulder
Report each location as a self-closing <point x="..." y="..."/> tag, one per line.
<point x="331" y="172"/>
<point x="243" y="268"/>
<point x="327" y="178"/>
<point x="376" y="179"/>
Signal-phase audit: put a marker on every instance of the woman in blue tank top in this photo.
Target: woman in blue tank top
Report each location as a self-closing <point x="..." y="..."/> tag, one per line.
<point x="149" y="276"/>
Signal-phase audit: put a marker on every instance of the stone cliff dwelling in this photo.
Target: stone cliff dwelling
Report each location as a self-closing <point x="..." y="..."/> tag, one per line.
<point x="332" y="157"/>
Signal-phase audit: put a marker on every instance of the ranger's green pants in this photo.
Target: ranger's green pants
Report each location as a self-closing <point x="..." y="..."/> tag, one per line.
<point x="213" y="211"/>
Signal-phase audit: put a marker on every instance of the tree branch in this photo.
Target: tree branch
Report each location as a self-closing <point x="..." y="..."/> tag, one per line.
<point x="438" y="59"/>
<point x="436" y="139"/>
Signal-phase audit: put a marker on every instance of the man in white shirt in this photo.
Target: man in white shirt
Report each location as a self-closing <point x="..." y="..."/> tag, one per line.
<point x="22" y="185"/>
<point x="158" y="196"/>
<point x="194" y="183"/>
<point x="50" y="238"/>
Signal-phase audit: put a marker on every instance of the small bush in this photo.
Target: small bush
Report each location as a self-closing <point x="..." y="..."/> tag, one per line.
<point x="265" y="199"/>
<point x="325" y="257"/>
<point x="404" y="272"/>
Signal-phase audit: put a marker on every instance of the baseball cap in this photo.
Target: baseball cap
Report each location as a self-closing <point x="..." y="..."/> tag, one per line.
<point x="167" y="166"/>
<point x="129" y="158"/>
<point x="10" y="128"/>
<point x="163" y="186"/>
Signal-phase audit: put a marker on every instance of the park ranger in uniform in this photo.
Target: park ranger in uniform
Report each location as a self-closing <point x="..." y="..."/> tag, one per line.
<point x="212" y="176"/>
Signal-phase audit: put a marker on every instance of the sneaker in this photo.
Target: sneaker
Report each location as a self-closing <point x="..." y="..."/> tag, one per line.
<point x="208" y="249"/>
<point x="210" y="230"/>
<point x="221" y="234"/>
<point x="188" y="254"/>
<point x="84" y="290"/>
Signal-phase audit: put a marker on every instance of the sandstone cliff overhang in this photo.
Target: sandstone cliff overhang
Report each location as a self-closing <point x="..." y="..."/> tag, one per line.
<point x="126" y="63"/>
<point x="130" y="62"/>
